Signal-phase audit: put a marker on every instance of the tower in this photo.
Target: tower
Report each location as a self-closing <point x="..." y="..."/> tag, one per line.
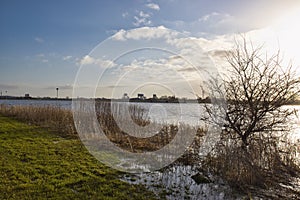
<point x="57" y="92"/>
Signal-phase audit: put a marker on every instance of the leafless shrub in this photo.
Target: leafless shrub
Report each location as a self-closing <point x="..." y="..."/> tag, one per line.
<point x="254" y="143"/>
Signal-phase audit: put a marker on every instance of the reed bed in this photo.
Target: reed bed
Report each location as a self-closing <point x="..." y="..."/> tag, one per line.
<point x="61" y="121"/>
<point x="148" y="135"/>
<point x="55" y="119"/>
<point x="266" y="163"/>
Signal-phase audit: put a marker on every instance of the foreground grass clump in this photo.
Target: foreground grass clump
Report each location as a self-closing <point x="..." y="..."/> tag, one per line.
<point x="35" y="164"/>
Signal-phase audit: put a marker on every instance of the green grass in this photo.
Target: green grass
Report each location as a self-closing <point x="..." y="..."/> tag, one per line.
<point x="37" y="164"/>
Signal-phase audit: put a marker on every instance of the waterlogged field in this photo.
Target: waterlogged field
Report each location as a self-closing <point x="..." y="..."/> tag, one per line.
<point x="38" y="164"/>
<point x="49" y="161"/>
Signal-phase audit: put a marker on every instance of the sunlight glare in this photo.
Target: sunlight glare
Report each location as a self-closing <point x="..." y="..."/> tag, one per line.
<point x="283" y="35"/>
<point x="287" y="30"/>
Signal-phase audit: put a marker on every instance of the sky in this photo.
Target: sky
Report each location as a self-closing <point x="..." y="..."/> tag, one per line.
<point x="88" y="48"/>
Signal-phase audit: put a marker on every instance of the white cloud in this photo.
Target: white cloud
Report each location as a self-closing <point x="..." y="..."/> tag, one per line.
<point x="120" y="35"/>
<point x="125" y="14"/>
<point x="184" y="65"/>
<point x="145" y="15"/>
<point x="42" y="58"/>
<point x="88" y="60"/>
<point x="153" y="6"/>
<point x="209" y="16"/>
<point x="144" y="33"/>
<point x="142" y="19"/>
<point x="210" y="25"/>
<point x="172" y="67"/>
<point x="41" y="55"/>
<point x="183" y="45"/>
<point x="39" y="40"/>
<point x="105" y="63"/>
<point x="169" y="68"/>
<point x="67" y="57"/>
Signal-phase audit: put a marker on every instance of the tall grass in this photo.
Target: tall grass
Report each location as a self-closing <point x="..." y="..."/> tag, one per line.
<point x="54" y="118"/>
<point x="61" y="121"/>
<point x="265" y="163"/>
<point x="118" y="127"/>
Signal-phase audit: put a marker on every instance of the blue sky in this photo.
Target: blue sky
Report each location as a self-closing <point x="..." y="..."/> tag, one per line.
<point x="42" y="43"/>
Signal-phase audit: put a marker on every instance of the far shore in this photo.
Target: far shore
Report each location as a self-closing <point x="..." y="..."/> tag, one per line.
<point x="135" y="100"/>
<point x="149" y="100"/>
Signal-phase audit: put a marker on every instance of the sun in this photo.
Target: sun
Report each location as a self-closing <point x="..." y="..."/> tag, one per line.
<point x="283" y="35"/>
<point x="288" y="30"/>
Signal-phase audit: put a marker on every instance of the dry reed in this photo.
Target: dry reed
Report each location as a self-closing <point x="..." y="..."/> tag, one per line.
<point x="263" y="164"/>
<point x="54" y="118"/>
<point x="60" y="120"/>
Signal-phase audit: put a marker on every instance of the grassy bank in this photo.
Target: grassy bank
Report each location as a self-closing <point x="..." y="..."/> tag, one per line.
<point x="37" y="164"/>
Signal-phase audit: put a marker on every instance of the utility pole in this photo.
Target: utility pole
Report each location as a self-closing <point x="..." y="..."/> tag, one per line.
<point x="57" y="92"/>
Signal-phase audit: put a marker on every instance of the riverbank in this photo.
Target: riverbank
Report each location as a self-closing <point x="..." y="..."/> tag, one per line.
<point x="34" y="155"/>
<point x="38" y="164"/>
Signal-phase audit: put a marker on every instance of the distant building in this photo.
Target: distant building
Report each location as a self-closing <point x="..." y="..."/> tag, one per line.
<point x="164" y="97"/>
<point x="154" y="96"/>
<point x="141" y="96"/>
<point x="125" y="96"/>
<point x="27" y="96"/>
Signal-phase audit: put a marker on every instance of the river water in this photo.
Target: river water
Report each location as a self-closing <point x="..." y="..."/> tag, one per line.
<point x="188" y="113"/>
<point x="175" y="113"/>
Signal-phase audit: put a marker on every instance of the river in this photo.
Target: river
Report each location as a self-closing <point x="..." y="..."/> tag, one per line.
<point x="187" y="113"/>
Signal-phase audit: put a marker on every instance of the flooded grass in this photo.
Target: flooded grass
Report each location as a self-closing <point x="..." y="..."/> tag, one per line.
<point x="58" y="162"/>
<point x="37" y="164"/>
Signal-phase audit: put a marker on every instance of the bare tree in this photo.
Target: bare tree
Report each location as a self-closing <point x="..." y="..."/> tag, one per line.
<point x="250" y="106"/>
<point x="256" y="89"/>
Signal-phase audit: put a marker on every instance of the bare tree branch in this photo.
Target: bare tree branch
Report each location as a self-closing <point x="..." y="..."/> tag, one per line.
<point x="256" y="89"/>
